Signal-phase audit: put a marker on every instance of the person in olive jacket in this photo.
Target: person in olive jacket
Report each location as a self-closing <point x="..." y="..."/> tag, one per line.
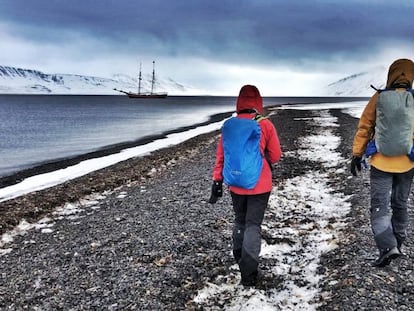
<point x="249" y="204"/>
<point x="390" y="176"/>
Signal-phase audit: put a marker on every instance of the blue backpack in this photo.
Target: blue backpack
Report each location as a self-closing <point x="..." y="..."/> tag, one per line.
<point x="243" y="160"/>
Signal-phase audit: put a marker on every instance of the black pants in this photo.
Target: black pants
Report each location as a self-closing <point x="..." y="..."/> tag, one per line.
<point x="247" y="237"/>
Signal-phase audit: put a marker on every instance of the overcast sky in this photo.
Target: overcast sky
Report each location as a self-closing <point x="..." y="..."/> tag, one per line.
<point x="284" y="47"/>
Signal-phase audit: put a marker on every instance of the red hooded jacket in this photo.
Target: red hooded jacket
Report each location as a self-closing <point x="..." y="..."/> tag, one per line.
<point x="249" y="99"/>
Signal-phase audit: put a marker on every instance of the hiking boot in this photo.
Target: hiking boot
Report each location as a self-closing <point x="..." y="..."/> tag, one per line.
<point x="399" y="246"/>
<point x="237" y="253"/>
<point x="249" y="283"/>
<point x="252" y="280"/>
<point x="385" y="257"/>
<point x="400" y="250"/>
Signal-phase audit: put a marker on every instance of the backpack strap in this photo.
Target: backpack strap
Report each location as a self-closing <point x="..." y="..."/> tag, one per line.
<point x="393" y="89"/>
<point x="258" y="117"/>
<point x="381" y="90"/>
<point x="378" y="90"/>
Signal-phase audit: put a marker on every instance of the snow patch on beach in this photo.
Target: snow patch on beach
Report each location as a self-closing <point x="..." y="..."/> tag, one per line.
<point x="303" y="221"/>
<point x="352" y="108"/>
<point x="47" y="180"/>
<point x="70" y="211"/>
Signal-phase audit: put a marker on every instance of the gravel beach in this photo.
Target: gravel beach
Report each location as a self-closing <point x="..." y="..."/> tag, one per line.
<point x="140" y="235"/>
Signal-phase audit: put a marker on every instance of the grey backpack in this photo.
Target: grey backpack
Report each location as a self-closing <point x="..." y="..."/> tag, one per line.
<point x="394" y="122"/>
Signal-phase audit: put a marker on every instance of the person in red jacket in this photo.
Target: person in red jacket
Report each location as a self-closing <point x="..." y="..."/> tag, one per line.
<point x="249" y="205"/>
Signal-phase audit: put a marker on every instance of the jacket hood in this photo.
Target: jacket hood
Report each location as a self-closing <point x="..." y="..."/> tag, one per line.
<point x="401" y="72"/>
<point x="249" y="98"/>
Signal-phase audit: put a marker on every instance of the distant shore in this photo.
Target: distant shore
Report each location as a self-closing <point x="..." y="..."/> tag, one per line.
<point x="54" y="165"/>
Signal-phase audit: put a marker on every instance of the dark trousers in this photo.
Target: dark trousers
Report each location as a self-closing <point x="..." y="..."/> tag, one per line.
<point x="389" y="215"/>
<point x="247" y="236"/>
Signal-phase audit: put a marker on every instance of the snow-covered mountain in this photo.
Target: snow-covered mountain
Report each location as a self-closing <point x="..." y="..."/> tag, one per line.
<point x="28" y="81"/>
<point x="358" y="84"/>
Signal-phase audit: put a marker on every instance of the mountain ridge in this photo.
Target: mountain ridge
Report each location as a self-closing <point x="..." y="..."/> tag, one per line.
<point x="358" y="84"/>
<point x="14" y="80"/>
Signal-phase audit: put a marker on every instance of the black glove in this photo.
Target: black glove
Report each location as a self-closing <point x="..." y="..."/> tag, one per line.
<point x="355" y="165"/>
<point x="216" y="191"/>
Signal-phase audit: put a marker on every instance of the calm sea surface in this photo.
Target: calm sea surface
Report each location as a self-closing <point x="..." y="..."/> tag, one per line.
<point x="36" y="129"/>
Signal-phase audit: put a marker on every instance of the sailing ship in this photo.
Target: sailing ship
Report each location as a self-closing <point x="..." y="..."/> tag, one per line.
<point x="140" y="94"/>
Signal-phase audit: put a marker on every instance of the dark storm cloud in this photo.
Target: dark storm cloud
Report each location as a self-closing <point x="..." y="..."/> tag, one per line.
<point x="258" y="31"/>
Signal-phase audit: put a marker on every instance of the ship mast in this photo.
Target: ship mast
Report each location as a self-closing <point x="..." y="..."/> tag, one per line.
<point x="153" y="77"/>
<point x="139" y="79"/>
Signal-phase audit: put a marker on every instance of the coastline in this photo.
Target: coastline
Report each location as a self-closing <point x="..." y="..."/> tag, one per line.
<point x="154" y="241"/>
<point x="34" y="205"/>
<point x="56" y="164"/>
<point x="53" y="165"/>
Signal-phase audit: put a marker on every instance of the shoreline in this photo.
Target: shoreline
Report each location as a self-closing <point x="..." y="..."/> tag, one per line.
<point x="57" y="164"/>
<point x="47" y="166"/>
<point x="152" y="241"/>
<point x="32" y="206"/>
<point x="138" y="170"/>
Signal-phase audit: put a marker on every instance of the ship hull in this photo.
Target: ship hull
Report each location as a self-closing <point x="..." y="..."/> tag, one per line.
<point x="155" y="95"/>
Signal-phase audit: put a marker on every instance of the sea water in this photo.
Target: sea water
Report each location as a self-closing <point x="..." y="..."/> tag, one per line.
<point x="37" y="129"/>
